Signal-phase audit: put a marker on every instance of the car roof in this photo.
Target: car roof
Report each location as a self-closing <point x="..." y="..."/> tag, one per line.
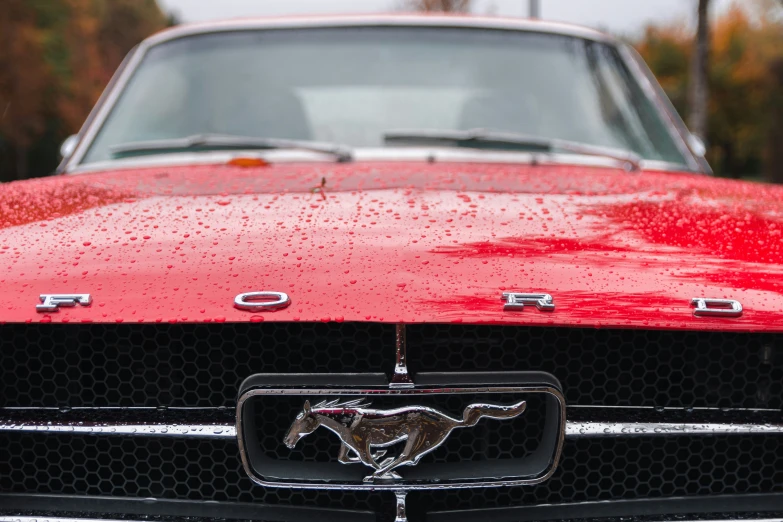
<point x="379" y="20"/>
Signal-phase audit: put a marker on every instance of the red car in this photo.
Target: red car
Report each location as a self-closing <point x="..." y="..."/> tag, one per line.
<point x="444" y="268"/>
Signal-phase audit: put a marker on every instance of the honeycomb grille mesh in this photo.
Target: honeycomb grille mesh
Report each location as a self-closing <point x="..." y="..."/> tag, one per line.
<point x="187" y="469"/>
<point x="590" y="469"/>
<point x="174" y="364"/>
<point x="202" y="365"/>
<point x="616" y="367"/>
<point x="643" y="467"/>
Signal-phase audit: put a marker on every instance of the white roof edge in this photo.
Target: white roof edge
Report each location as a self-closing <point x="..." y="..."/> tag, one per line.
<point x="391" y="20"/>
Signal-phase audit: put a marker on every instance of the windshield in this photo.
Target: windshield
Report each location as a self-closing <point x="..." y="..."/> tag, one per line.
<point x="355" y="85"/>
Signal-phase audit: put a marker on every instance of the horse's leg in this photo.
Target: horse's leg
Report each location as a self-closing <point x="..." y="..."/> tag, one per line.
<point x="348" y="456"/>
<point x="362" y="448"/>
<point x="345" y="455"/>
<point x="370" y="461"/>
<point x="378" y="454"/>
<point x="404" y="457"/>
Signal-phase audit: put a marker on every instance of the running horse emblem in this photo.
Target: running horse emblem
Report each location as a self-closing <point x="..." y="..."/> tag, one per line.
<point x="366" y="433"/>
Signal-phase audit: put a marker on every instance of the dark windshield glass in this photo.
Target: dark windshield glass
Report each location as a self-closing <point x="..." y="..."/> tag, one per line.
<point x="352" y="85"/>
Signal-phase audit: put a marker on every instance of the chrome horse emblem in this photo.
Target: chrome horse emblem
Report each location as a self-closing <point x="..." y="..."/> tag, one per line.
<point x="366" y="433"/>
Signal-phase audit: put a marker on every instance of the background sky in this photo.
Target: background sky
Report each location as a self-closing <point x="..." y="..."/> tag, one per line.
<point x="617" y="16"/>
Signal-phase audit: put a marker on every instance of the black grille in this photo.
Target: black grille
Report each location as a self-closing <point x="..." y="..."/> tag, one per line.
<point x="202" y="365"/>
<point x="616" y="367"/>
<point x="174" y="364"/>
<point x="590" y="469"/>
<point x="643" y="467"/>
<point x="147" y="467"/>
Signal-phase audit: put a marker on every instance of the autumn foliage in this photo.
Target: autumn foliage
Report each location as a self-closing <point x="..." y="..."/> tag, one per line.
<point x="745" y="120"/>
<point x="56" y="56"/>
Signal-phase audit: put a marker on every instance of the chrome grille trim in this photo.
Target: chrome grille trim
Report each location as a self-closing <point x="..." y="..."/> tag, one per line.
<point x="201" y="431"/>
<point x="203" y="423"/>
<point x="63" y="519"/>
<point x="738" y="519"/>
<point x="646" y="429"/>
<point x="574" y="429"/>
<point x="74" y="519"/>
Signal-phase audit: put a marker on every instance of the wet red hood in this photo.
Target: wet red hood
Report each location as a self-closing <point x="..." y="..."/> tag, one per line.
<point x="394" y="242"/>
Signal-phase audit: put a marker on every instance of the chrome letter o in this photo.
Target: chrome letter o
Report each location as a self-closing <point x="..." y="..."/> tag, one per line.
<point x="261" y="301"/>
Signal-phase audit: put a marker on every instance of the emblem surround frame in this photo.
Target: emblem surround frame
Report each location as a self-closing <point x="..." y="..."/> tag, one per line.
<point x="365" y="387"/>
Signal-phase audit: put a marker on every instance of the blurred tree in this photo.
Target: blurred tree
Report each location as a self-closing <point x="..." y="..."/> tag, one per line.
<point x="769" y="13"/>
<point x="774" y="158"/>
<point x="79" y="74"/>
<point x="736" y="105"/>
<point x="699" y="81"/>
<point x="744" y="90"/>
<point x="123" y="24"/>
<point x="24" y="81"/>
<point x="56" y="56"/>
<point x="445" y="6"/>
<point x="746" y="42"/>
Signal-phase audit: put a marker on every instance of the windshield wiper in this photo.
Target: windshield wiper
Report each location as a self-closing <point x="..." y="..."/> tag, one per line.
<point x="214" y="142"/>
<point x="482" y="138"/>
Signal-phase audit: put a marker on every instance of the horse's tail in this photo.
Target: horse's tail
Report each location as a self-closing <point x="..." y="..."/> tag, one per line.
<point x="474" y="412"/>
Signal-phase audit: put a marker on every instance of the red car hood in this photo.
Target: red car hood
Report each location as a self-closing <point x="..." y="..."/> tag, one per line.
<point x="394" y="242"/>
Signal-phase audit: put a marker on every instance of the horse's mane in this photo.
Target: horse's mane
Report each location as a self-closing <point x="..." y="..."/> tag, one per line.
<point x="356" y="403"/>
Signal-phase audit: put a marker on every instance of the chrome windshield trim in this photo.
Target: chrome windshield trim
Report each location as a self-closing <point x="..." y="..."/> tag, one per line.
<point x="385" y="154"/>
<point x="101" y="110"/>
<point x="655" y="94"/>
<point x="110" y="88"/>
<point x="382" y="20"/>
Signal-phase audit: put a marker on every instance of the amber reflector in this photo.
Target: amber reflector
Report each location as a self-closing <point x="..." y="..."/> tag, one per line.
<point x="247" y="162"/>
